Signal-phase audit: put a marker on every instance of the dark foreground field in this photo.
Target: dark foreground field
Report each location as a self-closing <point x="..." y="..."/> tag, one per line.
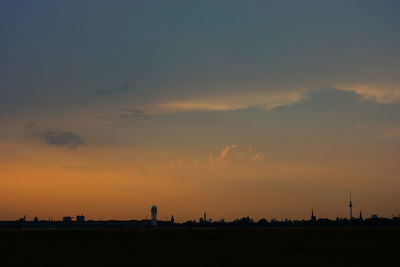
<point x="202" y="247"/>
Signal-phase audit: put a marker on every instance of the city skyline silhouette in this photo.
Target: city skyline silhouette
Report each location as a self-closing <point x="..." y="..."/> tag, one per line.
<point x="265" y="109"/>
<point x="374" y="219"/>
<point x="199" y="133"/>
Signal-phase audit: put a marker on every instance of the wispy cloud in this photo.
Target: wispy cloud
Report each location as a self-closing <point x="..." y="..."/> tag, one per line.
<point x="236" y="153"/>
<point x="68" y="139"/>
<point x="231" y="155"/>
<point x="79" y="166"/>
<point x="229" y="102"/>
<point x="30" y="125"/>
<point x="393" y="133"/>
<point x="359" y="125"/>
<point x="127" y="113"/>
<point x="258" y="157"/>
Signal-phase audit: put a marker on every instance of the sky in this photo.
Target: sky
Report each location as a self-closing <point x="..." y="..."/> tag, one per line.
<point x="267" y="109"/>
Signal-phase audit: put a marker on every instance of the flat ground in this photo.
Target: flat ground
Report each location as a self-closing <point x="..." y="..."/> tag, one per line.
<point x="202" y="247"/>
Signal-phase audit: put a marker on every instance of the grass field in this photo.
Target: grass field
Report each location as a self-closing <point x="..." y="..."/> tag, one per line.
<point x="202" y="247"/>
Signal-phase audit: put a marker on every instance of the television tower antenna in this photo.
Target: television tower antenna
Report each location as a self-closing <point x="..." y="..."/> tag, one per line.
<point x="351" y="207"/>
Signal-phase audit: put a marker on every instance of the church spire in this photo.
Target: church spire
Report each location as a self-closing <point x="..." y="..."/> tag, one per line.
<point x="313" y="218"/>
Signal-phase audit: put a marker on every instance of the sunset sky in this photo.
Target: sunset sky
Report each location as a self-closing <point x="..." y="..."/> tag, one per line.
<point x="265" y="109"/>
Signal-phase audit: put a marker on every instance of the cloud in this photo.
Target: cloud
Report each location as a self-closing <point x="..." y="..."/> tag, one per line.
<point x="228" y="102"/>
<point x="128" y="113"/>
<point x="392" y="134"/>
<point x="359" y="125"/>
<point x="226" y="151"/>
<point x="236" y="153"/>
<point x="79" y="166"/>
<point x="69" y="139"/>
<point x="30" y="125"/>
<point x="258" y="157"/>
<point x="186" y="162"/>
<point x="378" y="93"/>
<point x="228" y="156"/>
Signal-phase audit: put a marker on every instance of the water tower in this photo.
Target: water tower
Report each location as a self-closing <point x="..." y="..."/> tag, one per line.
<point x="153" y="216"/>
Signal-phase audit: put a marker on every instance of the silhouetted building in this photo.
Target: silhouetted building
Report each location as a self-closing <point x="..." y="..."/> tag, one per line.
<point x="153" y="210"/>
<point x="240" y="222"/>
<point x="205" y="217"/>
<point x="313" y="217"/>
<point x="67" y="219"/>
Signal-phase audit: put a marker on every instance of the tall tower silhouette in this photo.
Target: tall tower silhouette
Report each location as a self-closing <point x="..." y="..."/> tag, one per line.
<point x="351" y="208"/>
<point x="313" y="217"/>
<point x="153" y="216"/>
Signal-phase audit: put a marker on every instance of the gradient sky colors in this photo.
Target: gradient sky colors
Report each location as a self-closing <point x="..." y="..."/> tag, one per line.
<point x="238" y="108"/>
